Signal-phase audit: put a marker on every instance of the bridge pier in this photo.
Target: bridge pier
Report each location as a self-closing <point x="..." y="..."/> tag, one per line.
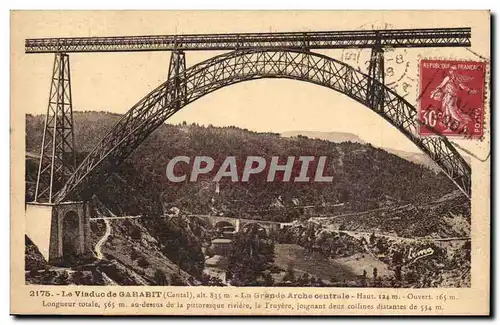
<point x="176" y="68"/>
<point x="57" y="156"/>
<point x="375" y="96"/>
<point x="60" y="231"/>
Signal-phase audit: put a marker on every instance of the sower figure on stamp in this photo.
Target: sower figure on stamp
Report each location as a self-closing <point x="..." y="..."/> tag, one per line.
<point x="447" y="93"/>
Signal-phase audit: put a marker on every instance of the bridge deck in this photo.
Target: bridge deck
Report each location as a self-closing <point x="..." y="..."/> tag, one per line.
<point x="437" y="37"/>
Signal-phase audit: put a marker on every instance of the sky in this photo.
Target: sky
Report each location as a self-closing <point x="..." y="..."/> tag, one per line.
<point x="114" y="82"/>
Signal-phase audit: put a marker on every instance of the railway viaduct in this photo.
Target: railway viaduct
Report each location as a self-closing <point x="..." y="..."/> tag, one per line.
<point x="57" y="220"/>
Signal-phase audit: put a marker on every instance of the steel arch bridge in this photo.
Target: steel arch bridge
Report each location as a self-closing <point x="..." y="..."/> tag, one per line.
<point x="187" y="85"/>
<point x="253" y="56"/>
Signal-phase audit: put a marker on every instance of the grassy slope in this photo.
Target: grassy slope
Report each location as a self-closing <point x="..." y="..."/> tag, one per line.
<point x="315" y="264"/>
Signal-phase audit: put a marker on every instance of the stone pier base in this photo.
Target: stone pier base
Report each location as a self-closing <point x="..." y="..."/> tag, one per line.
<point x="60" y="231"/>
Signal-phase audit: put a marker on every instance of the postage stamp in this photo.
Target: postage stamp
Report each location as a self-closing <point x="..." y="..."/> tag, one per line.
<point x="451" y="100"/>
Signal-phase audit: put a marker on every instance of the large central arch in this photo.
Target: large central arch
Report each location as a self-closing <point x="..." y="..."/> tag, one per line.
<point x="237" y="66"/>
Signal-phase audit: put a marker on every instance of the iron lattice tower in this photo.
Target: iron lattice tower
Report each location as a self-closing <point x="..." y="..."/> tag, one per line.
<point x="57" y="156"/>
<point x="376" y="72"/>
<point x="176" y="68"/>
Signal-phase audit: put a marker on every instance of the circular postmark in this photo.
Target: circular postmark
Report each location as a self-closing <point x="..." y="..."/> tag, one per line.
<point x="396" y="64"/>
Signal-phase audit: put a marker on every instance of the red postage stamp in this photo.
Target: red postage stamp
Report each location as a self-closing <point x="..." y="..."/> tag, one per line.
<point x="451" y="100"/>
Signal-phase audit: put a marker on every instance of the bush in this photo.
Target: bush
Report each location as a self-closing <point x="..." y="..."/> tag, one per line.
<point x="135" y="255"/>
<point x="135" y="233"/>
<point x="83" y="278"/>
<point x="142" y="262"/>
<point x="176" y="280"/>
<point x="62" y="278"/>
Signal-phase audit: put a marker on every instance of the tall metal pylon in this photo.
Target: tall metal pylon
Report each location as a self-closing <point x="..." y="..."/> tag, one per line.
<point x="176" y="68"/>
<point x="57" y="156"/>
<point x="377" y="75"/>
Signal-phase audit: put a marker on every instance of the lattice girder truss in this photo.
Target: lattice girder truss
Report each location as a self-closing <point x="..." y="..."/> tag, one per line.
<point x="237" y="66"/>
<point x="429" y="37"/>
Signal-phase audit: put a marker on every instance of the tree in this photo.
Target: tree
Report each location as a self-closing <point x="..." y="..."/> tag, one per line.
<point x="160" y="279"/>
<point x="62" y="278"/>
<point x="135" y="233"/>
<point x="250" y="256"/>
<point x="142" y="262"/>
<point x="290" y="274"/>
<point x="398" y="273"/>
<point x="134" y="255"/>
<point x="304" y="280"/>
<point x="268" y="279"/>
<point x="363" y="279"/>
<point x="176" y="280"/>
<point x="411" y="277"/>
